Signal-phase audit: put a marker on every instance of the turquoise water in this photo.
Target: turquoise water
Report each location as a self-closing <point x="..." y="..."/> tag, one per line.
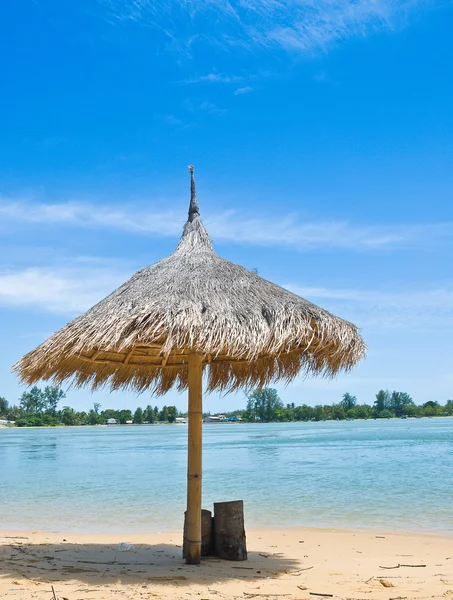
<point x="385" y="474"/>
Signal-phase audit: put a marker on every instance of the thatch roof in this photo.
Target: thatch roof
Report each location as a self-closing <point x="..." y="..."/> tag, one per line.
<point x="249" y="330"/>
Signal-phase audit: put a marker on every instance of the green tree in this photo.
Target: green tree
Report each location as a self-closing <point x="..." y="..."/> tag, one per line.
<point x="163" y="414"/>
<point x="263" y="404"/>
<point x="93" y="418"/>
<point x="411" y="410"/>
<point x="148" y="414"/>
<point x="364" y="411"/>
<point x="286" y="414"/>
<point x="338" y="412"/>
<point x="431" y="408"/>
<point x="68" y="416"/>
<point x="33" y="401"/>
<point x="3" y="407"/>
<point x="172" y="413"/>
<point x="303" y="413"/>
<point x="348" y="401"/>
<point x="52" y="395"/>
<point x="39" y="408"/>
<point x="248" y="415"/>
<point x="382" y="401"/>
<point x="386" y="414"/>
<point x="319" y="413"/>
<point x="82" y="418"/>
<point x="124" y="415"/>
<point x="138" y="416"/>
<point x="14" y="413"/>
<point x="448" y="410"/>
<point x="399" y="401"/>
<point x="110" y="413"/>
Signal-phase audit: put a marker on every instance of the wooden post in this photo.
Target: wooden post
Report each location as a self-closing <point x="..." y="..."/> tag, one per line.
<point x="194" y="462"/>
<point x="229" y="532"/>
<point x="206" y="534"/>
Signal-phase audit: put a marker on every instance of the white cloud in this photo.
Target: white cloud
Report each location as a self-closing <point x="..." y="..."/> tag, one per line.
<point x="230" y="226"/>
<point x="243" y="90"/>
<point x="290" y="231"/>
<point x="215" y="78"/>
<point x="294" y="25"/>
<point x="71" y="290"/>
<point x="441" y="298"/>
<point x="204" y="106"/>
<point x="62" y="290"/>
<point x="378" y="310"/>
<point x="172" y="120"/>
<point x="82" y="214"/>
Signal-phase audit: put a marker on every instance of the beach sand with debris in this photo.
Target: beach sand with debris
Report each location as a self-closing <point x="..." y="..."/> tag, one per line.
<point x="287" y="564"/>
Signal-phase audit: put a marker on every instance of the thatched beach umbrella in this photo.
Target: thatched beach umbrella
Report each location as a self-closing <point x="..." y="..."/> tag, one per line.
<point x="190" y="314"/>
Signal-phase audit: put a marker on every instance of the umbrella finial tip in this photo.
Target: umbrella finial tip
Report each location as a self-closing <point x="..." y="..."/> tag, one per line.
<point x="193" y="208"/>
<point x="191" y="169"/>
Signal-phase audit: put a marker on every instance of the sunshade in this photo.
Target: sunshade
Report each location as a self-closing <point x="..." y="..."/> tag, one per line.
<point x="191" y="315"/>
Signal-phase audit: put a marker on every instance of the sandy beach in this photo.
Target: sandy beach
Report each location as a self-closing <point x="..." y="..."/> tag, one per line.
<point x="298" y="563"/>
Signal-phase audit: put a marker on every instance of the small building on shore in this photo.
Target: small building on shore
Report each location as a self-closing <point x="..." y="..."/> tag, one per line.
<point x="112" y="422"/>
<point x="214" y="419"/>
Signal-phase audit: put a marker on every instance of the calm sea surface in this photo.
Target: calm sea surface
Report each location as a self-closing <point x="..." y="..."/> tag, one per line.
<point x="386" y="474"/>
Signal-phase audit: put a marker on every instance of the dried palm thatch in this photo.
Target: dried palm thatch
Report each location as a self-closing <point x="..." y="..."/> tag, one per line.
<point x="249" y="331"/>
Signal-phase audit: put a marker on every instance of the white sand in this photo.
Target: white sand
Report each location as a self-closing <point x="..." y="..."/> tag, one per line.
<point x="293" y="564"/>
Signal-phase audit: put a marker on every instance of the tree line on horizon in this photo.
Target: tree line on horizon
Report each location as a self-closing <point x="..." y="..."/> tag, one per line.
<point x="40" y="408"/>
<point x="266" y="406"/>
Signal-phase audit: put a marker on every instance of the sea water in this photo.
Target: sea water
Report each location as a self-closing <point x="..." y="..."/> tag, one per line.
<point x="388" y="474"/>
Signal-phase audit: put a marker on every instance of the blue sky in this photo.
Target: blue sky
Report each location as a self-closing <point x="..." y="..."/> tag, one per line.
<point x="321" y="133"/>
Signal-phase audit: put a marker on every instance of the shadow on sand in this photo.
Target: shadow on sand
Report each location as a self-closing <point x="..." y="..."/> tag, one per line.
<point x="101" y="565"/>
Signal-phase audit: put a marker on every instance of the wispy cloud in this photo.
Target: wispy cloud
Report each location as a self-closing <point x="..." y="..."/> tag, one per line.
<point x="65" y="290"/>
<point x="172" y="120"/>
<point x="215" y="78"/>
<point x="320" y="77"/>
<point x="204" y="106"/>
<point x="75" y="286"/>
<point x="294" y="25"/>
<point x="210" y="107"/>
<point x="290" y="231"/>
<point x="378" y="310"/>
<point x="231" y="226"/>
<point x="241" y="83"/>
<point x="84" y="215"/>
<point x="243" y="90"/>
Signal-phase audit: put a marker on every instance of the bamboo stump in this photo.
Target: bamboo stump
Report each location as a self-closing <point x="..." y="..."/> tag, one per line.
<point x="229" y="532"/>
<point x="206" y="534"/>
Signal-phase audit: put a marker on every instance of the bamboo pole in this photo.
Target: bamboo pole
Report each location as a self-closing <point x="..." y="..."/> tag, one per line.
<point x="194" y="462"/>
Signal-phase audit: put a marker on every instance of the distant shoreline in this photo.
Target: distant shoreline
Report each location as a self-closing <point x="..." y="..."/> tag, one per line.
<point x="115" y="426"/>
